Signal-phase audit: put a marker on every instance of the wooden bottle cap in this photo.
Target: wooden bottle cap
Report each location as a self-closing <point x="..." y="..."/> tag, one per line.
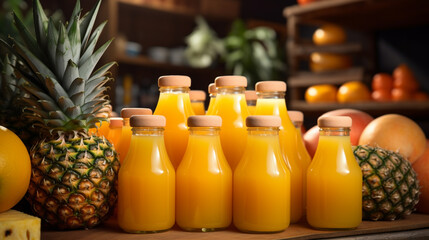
<point x="263" y="121"/>
<point x="212" y="88"/>
<point x="147" y="121"/>
<point x="335" y="122"/>
<point x="204" y="121"/>
<point x="128" y="112"/>
<point x="174" y="81"/>
<point x="231" y="81"/>
<point x="116" y="122"/>
<point x="296" y="116"/>
<point x="197" y="95"/>
<point x="250" y="95"/>
<point x="270" y="86"/>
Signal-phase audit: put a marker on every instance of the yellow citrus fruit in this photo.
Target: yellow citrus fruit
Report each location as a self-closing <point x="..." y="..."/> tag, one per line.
<point x="321" y="62"/>
<point x="353" y="91"/>
<point x="321" y="93"/>
<point x="329" y="34"/>
<point x="15" y="169"/>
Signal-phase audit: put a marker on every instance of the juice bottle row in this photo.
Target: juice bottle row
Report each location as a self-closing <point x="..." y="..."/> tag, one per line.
<point x="203" y="171"/>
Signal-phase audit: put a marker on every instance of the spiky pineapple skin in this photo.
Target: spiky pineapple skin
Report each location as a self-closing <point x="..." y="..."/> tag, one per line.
<point x="73" y="180"/>
<point x="390" y="187"/>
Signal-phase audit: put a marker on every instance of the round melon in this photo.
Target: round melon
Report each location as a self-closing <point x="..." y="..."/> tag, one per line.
<point x="396" y="133"/>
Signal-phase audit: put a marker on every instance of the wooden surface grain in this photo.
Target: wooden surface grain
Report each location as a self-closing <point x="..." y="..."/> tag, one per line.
<point x="110" y="230"/>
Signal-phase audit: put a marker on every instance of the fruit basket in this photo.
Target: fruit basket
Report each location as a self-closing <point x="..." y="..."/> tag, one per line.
<point x="414" y="225"/>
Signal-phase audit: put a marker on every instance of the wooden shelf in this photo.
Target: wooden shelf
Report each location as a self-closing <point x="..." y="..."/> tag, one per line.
<point x="368" y="15"/>
<point x="305" y="79"/>
<point x="307" y="49"/>
<point x="110" y="230"/>
<point x="186" y="11"/>
<point x="414" y="108"/>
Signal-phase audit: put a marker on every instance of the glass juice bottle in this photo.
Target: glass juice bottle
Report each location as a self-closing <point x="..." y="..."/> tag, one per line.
<point x="271" y="101"/>
<point x="198" y="98"/>
<point x="115" y="132"/>
<point x="175" y="105"/>
<point x="334" y="178"/>
<point x="251" y="98"/>
<point x="231" y="106"/>
<point x="146" y="183"/>
<point x="297" y="119"/>
<point x="124" y="142"/>
<point x="204" y="179"/>
<point x="212" y="93"/>
<point x="261" y="181"/>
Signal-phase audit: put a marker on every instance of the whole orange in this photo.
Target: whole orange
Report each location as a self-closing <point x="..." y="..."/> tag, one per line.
<point x="382" y="81"/>
<point x="382" y="95"/>
<point x="353" y="91"/>
<point x="321" y="93"/>
<point x="15" y="169"/>
<point x="404" y="78"/>
<point x="329" y="34"/>
<point x="321" y="62"/>
<point x="400" y="94"/>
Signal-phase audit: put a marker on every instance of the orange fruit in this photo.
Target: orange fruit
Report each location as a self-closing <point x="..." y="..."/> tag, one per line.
<point x="399" y="94"/>
<point x="382" y="95"/>
<point x="382" y="81"/>
<point x="15" y="169"/>
<point x="329" y="34"/>
<point x="320" y="62"/>
<point x="404" y="78"/>
<point x="321" y="93"/>
<point x="353" y="91"/>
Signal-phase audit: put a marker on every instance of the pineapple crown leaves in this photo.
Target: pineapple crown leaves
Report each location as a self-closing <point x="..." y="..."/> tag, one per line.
<point x="66" y="93"/>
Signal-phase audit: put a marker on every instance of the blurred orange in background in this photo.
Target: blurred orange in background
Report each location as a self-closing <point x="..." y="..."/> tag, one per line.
<point x="353" y="91"/>
<point x="321" y="93"/>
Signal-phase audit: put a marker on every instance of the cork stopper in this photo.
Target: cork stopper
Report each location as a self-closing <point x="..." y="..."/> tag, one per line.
<point x="174" y="81"/>
<point x="128" y="112"/>
<point x="231" y="81"/>
<point x="147" y="121"/>
<point x="335" y="122"/>
<point x="204" y="121"/>
<point x="263" y="121"/>
<point x="296" y="116"/>
<point x="116" y="122"/>
<point x="250" y="95"/>
<point x="197" y="95"/>
<point x="270" y="86"/>
<point x="212" y="88"/>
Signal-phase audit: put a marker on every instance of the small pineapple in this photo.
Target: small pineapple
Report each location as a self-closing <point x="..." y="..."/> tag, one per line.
<point x="390" y="186"/>
<point x="73" y="171"/>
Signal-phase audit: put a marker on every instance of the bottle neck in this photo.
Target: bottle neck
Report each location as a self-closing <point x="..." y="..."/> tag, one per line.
<point x="148" y="131"/>
<point x="271" y="95"/>
<point x="173" y="89"/>
<point x="230" y="90"/>
<point x="126" y="122"/>
<point x="263" y="131"/>
<point x="212" y="95"/>
<point x="334" y="131"/>
<point x="297" y="124"/>
<point x="204" y="131"/>
<point x="251" y="103"/>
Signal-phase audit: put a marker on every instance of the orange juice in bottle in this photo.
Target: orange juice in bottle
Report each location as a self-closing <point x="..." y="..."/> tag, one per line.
<point x="197" y="101"/>
<point x="102" y="126"/>
<point x="261" y="185"/>
<point x="146" y="181"/>
<point x="251" y="98"/>
<point x="212" y="93"/>
<point x="204" y="179"/>
<point x="334" y="178"/>
<point x="271" y="101"/>
<point x="124" y="142"/>
<point x="231" y="106"/>
<point x="115" y="131"/>
<point x="175" y="105"/>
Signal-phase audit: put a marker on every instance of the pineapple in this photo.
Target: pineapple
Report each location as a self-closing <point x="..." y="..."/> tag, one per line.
<point x="73" y="171"/>
<point x="390" y="186"/>
<point x="17" y="225"/>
